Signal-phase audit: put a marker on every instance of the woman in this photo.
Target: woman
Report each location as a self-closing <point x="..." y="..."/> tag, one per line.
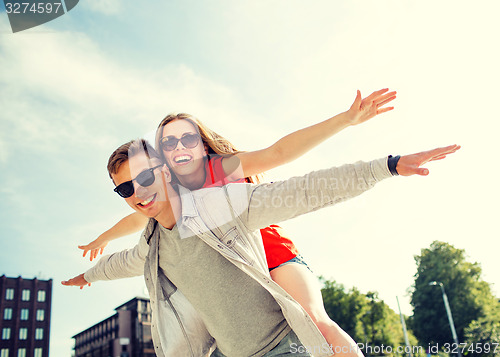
<point x="201" y="158"/>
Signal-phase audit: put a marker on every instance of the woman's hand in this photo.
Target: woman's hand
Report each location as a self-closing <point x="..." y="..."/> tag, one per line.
<point x="95" y="247"/>
<point x="364" y="109"/>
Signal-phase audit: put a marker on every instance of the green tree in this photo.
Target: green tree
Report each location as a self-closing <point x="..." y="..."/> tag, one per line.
<point x="374" y="321"/>
<point x="345" y="308"/>
<point x="366" y="318"/>
<point x="469" y="297"/>
<point x="482" y="338"/>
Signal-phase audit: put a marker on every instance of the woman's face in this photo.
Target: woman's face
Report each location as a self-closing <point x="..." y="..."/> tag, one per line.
<point x="183" y="149"/>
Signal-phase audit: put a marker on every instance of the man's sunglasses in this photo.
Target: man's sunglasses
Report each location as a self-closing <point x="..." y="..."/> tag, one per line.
<point x="169" y="143"/>
<point x="145" y="179"/>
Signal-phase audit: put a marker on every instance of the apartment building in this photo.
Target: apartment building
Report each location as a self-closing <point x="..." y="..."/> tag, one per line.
<point x="25" y="306"/>
<point x="126" y="334"/>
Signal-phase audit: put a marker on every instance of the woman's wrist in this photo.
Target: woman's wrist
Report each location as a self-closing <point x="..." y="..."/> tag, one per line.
<point x="104" y="237"/>
<point x="343" y="120"/>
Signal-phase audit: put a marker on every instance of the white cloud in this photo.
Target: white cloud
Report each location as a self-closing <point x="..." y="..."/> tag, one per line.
<point x="71" y="87"/>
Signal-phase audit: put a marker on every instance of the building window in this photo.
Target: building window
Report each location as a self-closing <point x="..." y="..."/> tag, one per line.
<point x="4" y="352"/>
<point x="23" y="333"/>
<point x="7" y="314"/>
<point x="9" y="294"/>
<point x="6" y="333"/>
<point x="25" y="295"/>
<point x="25" y="314"/>
<point x="41" y="295"/>
<point x="39" y="334"/>
<point x="21" y="352"/>
<point x="38" y="352"/>
<point x="40" y="315"/>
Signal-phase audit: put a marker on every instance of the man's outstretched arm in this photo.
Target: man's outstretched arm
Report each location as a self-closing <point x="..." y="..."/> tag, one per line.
<point x="279" y="201"/>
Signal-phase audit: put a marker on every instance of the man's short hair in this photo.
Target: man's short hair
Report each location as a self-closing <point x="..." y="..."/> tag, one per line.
<point x="128" y="150"/>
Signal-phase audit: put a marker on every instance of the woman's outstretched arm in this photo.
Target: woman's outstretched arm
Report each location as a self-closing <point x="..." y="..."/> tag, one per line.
<point x="132" y="223"/>
<point x="301" y="141"/>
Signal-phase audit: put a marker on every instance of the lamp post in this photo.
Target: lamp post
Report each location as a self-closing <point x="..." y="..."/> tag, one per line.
<point x="405" y="333"/>
<point x="448" y="312"/>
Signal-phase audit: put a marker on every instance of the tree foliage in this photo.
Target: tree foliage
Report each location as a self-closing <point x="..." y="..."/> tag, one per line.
<point x="483" y="336"/>
<point x="469" y="297"/>
<point x="366" y="318"/>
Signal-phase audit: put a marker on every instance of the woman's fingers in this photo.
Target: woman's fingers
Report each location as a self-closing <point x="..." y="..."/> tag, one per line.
<point x="383" y="110"/>
<point x="376" y="94"/>
<point x="385" y="99"/>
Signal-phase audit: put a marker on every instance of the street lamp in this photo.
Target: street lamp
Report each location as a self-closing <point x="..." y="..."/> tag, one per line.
<point x="448" y="312"/>
<point x="405" y="333"/>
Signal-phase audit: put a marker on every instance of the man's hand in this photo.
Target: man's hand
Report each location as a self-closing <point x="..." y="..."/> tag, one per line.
<point x="410" y="164"/>
<point x="95" y="247"/>
<point x="76" y="281"/>
<point x="363" y="109"/>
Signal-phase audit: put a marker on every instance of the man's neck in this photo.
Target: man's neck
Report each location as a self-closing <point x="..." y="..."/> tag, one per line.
<point x="168" y="218"/>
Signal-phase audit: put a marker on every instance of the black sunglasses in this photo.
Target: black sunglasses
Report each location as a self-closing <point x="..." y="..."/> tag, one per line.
<point x="145" y="179"/>
<point x="169" y="143"/>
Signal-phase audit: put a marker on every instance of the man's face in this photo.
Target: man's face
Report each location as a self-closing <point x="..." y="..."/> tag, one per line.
<point x="151" y="200"/>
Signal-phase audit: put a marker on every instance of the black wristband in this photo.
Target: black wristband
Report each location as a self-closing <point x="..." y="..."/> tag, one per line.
<point x="392" y="162"/>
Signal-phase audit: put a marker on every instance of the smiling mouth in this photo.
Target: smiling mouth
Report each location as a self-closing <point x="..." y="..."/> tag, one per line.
<point x="148" y="203"/>
<point x="182" y="159"/>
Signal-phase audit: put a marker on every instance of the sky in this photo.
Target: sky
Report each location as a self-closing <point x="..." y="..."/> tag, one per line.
<point x="74" y="89"/>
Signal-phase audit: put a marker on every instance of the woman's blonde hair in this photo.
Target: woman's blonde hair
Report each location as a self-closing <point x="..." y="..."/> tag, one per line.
<point x="214" y="143"/>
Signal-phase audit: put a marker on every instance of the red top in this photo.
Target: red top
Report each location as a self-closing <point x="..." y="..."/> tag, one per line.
<point x="278" y="247"/>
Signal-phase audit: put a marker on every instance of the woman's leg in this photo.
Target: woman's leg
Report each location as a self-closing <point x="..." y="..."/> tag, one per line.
<point x="297" y="280"/>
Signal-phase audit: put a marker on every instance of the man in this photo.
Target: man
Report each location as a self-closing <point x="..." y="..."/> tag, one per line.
<point x="205" y="266"/>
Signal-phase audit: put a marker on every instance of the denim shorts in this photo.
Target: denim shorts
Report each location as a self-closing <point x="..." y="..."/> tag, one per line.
<point x="290" y="345"/>
<point x="299" y="259"/>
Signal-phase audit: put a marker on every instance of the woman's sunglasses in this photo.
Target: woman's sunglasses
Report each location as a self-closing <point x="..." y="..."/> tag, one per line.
<point x="189" y="141"/>
<point x="145" y="179"/>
